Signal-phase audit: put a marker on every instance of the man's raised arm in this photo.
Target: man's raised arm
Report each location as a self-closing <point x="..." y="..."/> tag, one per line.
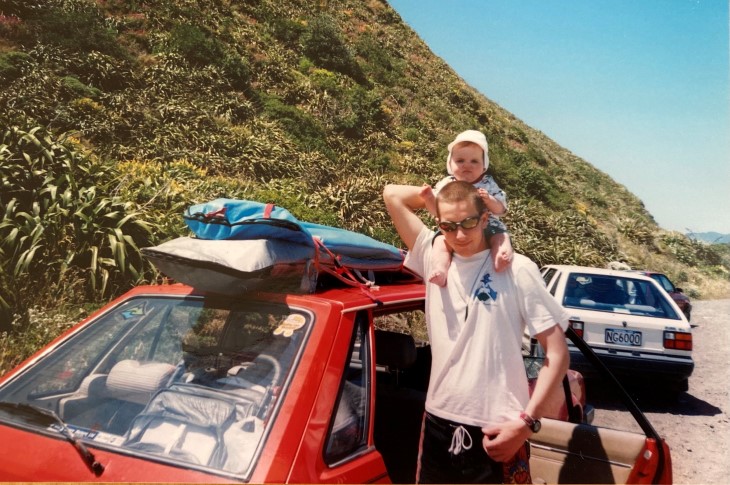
<point x="401" y="202"/>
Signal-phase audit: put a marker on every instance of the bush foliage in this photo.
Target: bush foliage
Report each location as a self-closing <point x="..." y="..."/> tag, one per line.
<point x="59" y="218"/>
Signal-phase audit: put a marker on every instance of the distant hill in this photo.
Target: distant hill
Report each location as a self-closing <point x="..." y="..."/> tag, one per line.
<point x="710" y="237"/>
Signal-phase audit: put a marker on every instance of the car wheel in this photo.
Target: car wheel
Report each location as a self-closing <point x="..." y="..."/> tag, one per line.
<point x="674" y="391"/>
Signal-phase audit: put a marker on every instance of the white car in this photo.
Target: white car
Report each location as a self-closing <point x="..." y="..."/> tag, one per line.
<point x="635" y="328"/>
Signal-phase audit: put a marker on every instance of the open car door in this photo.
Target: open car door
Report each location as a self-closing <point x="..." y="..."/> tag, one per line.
<point x="564" y="452"/>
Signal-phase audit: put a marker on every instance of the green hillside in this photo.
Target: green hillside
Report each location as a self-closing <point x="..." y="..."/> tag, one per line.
<point x="115" y="115"/>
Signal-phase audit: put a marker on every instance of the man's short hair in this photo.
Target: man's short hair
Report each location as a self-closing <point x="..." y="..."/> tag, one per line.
<point x="458" y="191"/>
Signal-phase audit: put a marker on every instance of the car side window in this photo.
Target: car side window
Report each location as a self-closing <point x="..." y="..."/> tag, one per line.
<point x="548" y="275"/>
<point x="664" y="281"/>
<point x="349" y="425"/>
<point x="554" y="284"/>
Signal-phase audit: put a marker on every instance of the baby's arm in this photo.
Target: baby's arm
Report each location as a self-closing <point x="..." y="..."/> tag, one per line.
<point x="494" y="205"/>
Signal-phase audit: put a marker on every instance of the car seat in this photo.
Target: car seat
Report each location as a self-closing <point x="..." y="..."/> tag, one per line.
<point x="605" y="290"/>
<point x="398" y="408"/>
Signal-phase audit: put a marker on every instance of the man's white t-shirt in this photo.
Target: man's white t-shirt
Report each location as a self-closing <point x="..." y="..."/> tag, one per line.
<point x="475" y="328"/>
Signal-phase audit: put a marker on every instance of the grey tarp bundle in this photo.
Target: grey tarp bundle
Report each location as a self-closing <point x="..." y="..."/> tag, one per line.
<point x="233" y="267"/>
<point x="242" y="245"/>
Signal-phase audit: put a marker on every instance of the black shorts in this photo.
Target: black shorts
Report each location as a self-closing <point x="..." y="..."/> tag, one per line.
<point x="436" y="464"/>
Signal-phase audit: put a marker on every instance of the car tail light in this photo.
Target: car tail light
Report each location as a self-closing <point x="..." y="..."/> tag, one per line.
<point x="577" y="326"/>
<point x="677" y="340"/>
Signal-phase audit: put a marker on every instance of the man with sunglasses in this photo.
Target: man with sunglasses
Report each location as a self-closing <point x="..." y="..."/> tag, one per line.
<point x="479" y="412"/>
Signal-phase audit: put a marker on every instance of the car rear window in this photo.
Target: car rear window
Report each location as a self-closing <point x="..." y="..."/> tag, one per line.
<point x="617" y="294"/>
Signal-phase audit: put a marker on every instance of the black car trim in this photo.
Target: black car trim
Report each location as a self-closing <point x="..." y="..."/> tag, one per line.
<point x="630" y="366"/>
<point x="634" y="352"/>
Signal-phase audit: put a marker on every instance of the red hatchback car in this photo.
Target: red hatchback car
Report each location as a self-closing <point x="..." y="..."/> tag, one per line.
<point x="169" y="384"/>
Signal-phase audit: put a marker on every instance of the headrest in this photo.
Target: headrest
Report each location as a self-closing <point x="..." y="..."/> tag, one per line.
<point x="131" y="380"/>
<point x="394" y="350"/>
<point x="604" y="284"/>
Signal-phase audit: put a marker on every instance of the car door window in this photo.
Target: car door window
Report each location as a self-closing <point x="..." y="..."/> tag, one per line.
<point x="664" y="282"/>
<point x="554" y="284"/>
<point x="349" y="424"/>
<point x="548" y="275"/>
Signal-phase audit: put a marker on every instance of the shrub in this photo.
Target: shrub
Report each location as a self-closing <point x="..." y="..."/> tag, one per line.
<point x="58" y="221"/>
<point x="566" y="237"/>
<point x="10" y="26"/>
<point x="24" y="334"/>
<point x="635" y="230"/>
<point x="362" y="113"/>
<point x="325" y="80"/>
<point x="535" y="183"/>
<point x="104" y="71"/>
<point x="162" y="190"/>
<point x="201" y="49"/>
<point x="692" y="252"/>
<point x="302" y="126"/>
<point x="77" y="89"/>
<point x="324" y="44"/>
<point x="237" y="70"/>
<point x="288" y="31"/>
<point x="74" y="26"/>
<point x="195" y="45"/>
<point x="12" y="65"/>
<point x="381" y="65"/>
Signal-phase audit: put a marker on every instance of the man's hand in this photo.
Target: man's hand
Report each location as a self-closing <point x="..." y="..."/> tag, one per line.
<point x="503" y="441"/>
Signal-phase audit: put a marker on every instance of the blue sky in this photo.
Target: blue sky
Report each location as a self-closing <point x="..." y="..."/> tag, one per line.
<point x="638" y="88"/>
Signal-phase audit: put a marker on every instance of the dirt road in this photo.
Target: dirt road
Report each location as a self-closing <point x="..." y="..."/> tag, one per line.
<point x="697" y="425"/>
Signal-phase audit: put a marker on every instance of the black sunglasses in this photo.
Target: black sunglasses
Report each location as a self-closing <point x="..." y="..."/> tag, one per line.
<point x="468" y="223"/>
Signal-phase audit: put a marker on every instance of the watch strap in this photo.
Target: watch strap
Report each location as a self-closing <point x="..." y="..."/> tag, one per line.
<point x="531" y="423"/>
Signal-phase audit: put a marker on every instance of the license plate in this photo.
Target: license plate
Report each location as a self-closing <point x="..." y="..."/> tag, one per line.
<point x="631" y="338"/>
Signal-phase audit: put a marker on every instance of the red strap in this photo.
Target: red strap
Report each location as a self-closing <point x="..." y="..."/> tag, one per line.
<point x="267" y="210"/>
<point x="218" y="214"/>
<point x="341" y="272"/>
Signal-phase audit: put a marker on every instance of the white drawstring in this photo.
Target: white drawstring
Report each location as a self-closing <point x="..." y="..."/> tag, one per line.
<point x="457" y="440"/>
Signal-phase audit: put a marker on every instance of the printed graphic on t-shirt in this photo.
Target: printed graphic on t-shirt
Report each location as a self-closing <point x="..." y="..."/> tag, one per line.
<point x="484" y="292"/>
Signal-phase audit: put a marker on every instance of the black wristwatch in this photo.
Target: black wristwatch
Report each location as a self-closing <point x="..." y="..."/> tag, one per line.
<point x="533" y="424"/>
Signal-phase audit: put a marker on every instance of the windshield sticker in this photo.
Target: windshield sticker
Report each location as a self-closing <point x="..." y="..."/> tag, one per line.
<point x="89" y="434"/>
<point x="78" y="433"/>
<point x="133" y="312"/>
<point x="109" y="438"/>
<point x="292" y="323"/>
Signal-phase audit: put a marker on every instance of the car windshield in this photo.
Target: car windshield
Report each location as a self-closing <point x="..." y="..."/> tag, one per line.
<point x="617" y="294"/>
<point x="187" y="380"/>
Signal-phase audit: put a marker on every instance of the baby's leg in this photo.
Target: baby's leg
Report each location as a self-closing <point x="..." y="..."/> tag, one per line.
<point x="440" y="261"/>
<point x="502" y="252"/>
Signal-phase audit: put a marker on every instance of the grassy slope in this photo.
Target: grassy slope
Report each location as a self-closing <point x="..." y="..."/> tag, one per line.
<point x="313" y="105"/>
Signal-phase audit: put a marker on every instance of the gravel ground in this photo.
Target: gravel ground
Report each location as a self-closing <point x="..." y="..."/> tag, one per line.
<point x="697" y="424"/>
